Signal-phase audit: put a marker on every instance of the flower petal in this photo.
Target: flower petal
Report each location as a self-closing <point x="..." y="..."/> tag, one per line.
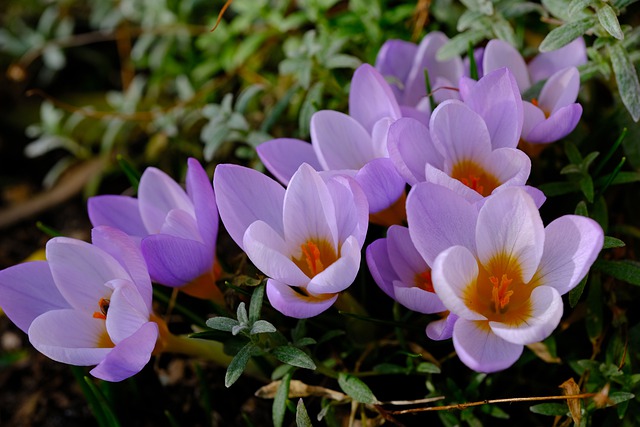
<point x="27" y="291"/>
<point x="498" y="54"/>
<point x="557" y="126"/>
<point x="352" y="208"/>
<point x="283" y="156"/>
<point x="411" y="148"/>
<point x="340" y="275"/>
<point x="381" y="183"/>
<point x="127" y="311"/>
<point x="509" y="226"/>
<point x="129" y="356"/>
<point x="158" y="193"/>
<point x="405" y="259"/>
<point x="340" y="141"/>
<point x="81" y="270"/>
<point x="121" y="212"/>
<point x="174" y="261"/>
<point x="436" y="226"/>
<point x="509" y="165"/>
<point x="371" y="98"/>
<point x="545" y="64"/>
<point x="245" y="195"/>
<point x="482" y="350"/>
<point x="532" y="117"/>
<point x="436" y="176"/>
<point x="179" y="223"/>
<point x="417" y="299"/>
<point x="394" y="61"/>
<point x="380" y="267"/>
<point x="269" y="253"/>
<point x="546" y="312"/>
<point x="293" y="304"/>
<point x="69" y="336"/>
<point x="560" y="90"/>
<point x="441" y="329"/>
<point x="571" y="245"/>
<point x="200" y="190"/>
<point x="454" y="271"/>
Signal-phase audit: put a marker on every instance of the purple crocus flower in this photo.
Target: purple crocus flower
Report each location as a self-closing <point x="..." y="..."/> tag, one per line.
<point x="307" y="239"/>
<point x="88" y="304"/>
<point x="502" y="272"/>
<point x="177" y="230"/>
<point x="469" y="146"/>
<point x="353" y="145"/>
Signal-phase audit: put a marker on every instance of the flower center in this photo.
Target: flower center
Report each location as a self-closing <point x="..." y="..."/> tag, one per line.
<point x="475" y="177"/>
<point x="534" y="101"/>
<point x="423" y="281"/>
<point x="104" y="307"/>
<point x="317" y="254"/>
<point x="500" y="294"/>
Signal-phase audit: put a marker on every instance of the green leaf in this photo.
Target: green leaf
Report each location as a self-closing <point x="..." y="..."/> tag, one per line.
<point x="262" y="327"/>
<point x="302" y="418"/>
<point x="459" y="44"/>
<point x="221" y="323"/>
<point x="504" y="31"/>
<point x="280" y="401"/>
<point x="239" y="362"/>
<point x="553" y="409"/>
<point x="576" y="293"/>
<point x="581" y="209"/>
<point x="620" y="396"/>
<point x="241" y="313"/>
<point x="356" y="389"/>
<point x="565" y="34"/>
<point x="612" y="242"/>
<point x="609" y="21"/>
<point x="428" y="368"/>
<point x="342" y="60"/>
<point x="132" y="174"/>
<point x="293" y="356"/>
<point x="625" y="270"/>
<point x="586" y="185"/>
<point x="627" y="78"/>
<point x="101" y="407"/>
<point x="255" y="306"/>
<point x="246" y="96"/>
<point x="594" y="318"/>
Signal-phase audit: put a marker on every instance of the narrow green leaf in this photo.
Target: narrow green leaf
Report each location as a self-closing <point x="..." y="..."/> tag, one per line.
<point x="627" y="78"/>
<point x="620" y="396"/>
<point x="473" y="66"/>
<point x="255" y="306"/>
<point x="132" y="174"/>
<point x="221" y="323"/>
<point x="171" y="419"/>
<point x="581" y="209"/>
<point x="565" y="34"/>
<point x="246" y="96"/>
<point x="109" y="418"/>
<point x="612" y="242"/>
<point x="609" y="154"/>
<point x="356" y="389"/>
<point x="428" y="368"/>
<point x="302" y="417"/>
<point x="553" y="409"/>
<point x="609" y="21"/>
<point x="576" y="293"/>
<point x="293" y="356"/>
<point x="625" y="270"/>
<point x="49" y="231"/>
<point x="586" y="185"/>
<point x="237" y="365"/>
<point x="241" y="313"/>
<point x="280" y="401"/>
<point x="274" y="115"/>
<point x="427" y="84"/>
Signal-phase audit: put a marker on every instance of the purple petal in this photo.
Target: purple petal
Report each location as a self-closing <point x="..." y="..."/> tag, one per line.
<point x="128" y="254"/>
<point x="371" y="98"/>
<point x="497" y="100"/>
<point x="380" y="266"/>
<point x="339" y="275"/>
<point x="455" y="270"/>
<point x="546" y="312"/>
<point x="158" y="194"/>
<point x="421" y="113"/>
<point x="571" y="245"/>
<point x="129" y="356"/>
<point x="69" y="336"/>
<point x="436" y="176"/>
<point x="117" y="211"/>
<point x="557" y="126"/>
<point x="560" y="90"/>
<point x="411" y="148"/>
<point x="441" y="329"/>
<point x="340" y="141"/>
<point x="394" y="61"/>
<point x="532" y="117"/>
<point x="283" y="156"/>
<point x="498" y="54"/>
<point x="269" y="253"/>
<point x="352" y="208"/>
<point x="293" y="304"/>
<point x="405" y="259"/>
<point x="509" y="165"/>
<point x="459" y="132"/>
<point x="127" y="310"/>
<point x="28" y="290"/>
<point x="381" y="183"/>
<point x="244" y="196"/>
<point x="438" y="219"/>
<point x="545" y="64"/>
<point x="174" y="261"/>
<point x="179" y="223"/>
<point x="81" y="270"/>
<point x="200" y="190"/>
<point x="417" y="299"/>
<point x="509" y="226"/>
<point x="482" y="350"/>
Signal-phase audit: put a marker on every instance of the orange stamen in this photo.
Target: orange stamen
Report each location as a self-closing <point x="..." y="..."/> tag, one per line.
<point x="500" y="294"/>
<point x="311" y="255"/>
<point x="423" y="281"/>
<point x="104" y="307"/>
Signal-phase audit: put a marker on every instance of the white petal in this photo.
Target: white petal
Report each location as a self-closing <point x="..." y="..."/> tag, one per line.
<point x="158" y="193"/>
<point x="340" y="275"/>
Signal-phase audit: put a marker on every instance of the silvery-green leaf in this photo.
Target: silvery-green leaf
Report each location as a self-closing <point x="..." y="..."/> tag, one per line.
<point x="558" y="8"/>
<point x="221" y="323"/>
<point x="483" y="6"/>
<point x="241" y="313"/>
<point x="609" y="21"/>
<point x="460" y="43"/>
<point x="514" y="10"/>
<point x="565" y="34"/>
<point x="356" y="389"/>
<point x="237" y="365"/>
<point x="627" y="78"/>
<point x="302" y="417"/>
<point x="342" y="60"/>
<point x="503" y="30"/>
<point x="467" y="19"/>
<point x="235" y="330"/>
<point x="255" y="306"/>
<point x="577" y="7"/>
<point x="261" y="327"/>
<point x="293" y="356"/>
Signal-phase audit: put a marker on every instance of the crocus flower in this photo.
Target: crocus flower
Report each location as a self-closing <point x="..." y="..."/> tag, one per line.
<point x="88" y="304"/>
<point x="469" y="146"/>
<point x="404" y="64"/>
<point x="503" y="272"/>
<point x="307" y="239"/>
<point x="177" y="230"/>
<point x="353" y="145"/>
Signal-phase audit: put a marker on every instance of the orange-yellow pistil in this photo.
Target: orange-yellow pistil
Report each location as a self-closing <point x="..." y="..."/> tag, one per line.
<point x="317" y="254"/>
<point x="104" y="307"/>
<point x="475" y="177"/>
<point x="500" y="293"/>
<point x="423" y="281"/>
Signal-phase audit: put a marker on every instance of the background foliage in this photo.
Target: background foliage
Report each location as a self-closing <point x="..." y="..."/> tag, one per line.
<point x="95" y="90"/>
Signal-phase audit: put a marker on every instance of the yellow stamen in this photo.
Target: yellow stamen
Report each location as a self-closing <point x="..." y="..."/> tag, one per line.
<point x="317" y="254"/>
<point x="475" y="177"/>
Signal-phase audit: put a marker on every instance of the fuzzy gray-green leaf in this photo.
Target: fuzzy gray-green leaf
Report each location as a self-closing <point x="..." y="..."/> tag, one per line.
<point x="627" y="78"/>
<point x="565" y="34"/>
